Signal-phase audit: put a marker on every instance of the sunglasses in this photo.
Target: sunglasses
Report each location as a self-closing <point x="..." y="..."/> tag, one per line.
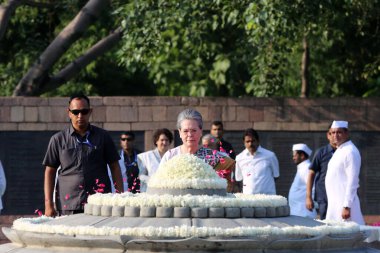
<point x="82" y="111"/>
<point x="126" y="139"/>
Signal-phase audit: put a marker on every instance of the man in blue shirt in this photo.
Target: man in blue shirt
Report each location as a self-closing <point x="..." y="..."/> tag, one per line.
<point x="317" y="171"/>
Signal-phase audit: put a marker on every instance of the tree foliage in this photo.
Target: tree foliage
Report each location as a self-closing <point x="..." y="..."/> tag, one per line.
<point x="236" y="48"/>
<point x="206" y="48"/>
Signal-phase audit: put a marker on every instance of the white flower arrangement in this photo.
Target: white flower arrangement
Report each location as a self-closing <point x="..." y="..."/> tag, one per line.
<point x="184" y="172"/>
<point x="149" y="200"/>
<point x="38" y="225"/>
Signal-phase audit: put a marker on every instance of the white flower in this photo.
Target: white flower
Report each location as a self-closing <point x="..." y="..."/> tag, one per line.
<point x="39" y="225"/>
<point x="184" y="172"/>
<point x="146" y="200"/>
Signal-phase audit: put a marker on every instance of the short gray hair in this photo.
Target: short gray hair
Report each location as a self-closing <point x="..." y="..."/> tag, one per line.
<point x="209" y="137"/>
<point x="189" y="114"/>
<point x="212" y="141"/>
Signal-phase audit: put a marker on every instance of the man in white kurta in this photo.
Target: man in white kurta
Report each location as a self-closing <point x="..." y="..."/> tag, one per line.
<point x="297" y="192"/>
<point x="342" y="178"/>
<point x="256" y="166"/>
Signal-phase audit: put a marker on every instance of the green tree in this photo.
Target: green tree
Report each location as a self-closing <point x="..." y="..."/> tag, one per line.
<point x="199" y="48"/>
<point x="46" y="52"/>
<point x="238" y="48"/>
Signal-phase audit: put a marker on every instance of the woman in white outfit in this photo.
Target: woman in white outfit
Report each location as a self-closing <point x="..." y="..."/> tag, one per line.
<point x="150" y="160"/>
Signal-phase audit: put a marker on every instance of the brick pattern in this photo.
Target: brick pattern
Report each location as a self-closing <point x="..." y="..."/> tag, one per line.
<point x="148" y="113"/>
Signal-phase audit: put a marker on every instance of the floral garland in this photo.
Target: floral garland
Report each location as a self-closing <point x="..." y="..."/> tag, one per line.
<point x="184" y="172"/>
<point x="149" y="200"/>
<point x="36" y="225"/>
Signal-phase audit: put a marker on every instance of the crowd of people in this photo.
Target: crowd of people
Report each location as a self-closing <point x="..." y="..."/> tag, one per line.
<point x="89" y="162"/>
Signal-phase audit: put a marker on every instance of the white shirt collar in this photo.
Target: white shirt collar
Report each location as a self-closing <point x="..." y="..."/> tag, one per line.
<point x="258" y="151"/>
<point x="302" y="163"/>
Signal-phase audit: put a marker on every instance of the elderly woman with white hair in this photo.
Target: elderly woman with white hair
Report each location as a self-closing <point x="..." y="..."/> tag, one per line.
<point x="190" y="124"/>
<point x="209" y="141"/>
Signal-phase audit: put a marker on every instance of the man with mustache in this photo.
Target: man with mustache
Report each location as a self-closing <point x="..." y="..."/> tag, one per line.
<point x="342" y="178"/>
<point x="256" y="166"/>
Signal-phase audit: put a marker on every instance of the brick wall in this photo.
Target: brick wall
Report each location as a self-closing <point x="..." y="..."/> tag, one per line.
<point x="149" y="113"/>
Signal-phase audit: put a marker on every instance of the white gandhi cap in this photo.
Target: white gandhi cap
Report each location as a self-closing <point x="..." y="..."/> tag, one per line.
<point x="302" y="147"/>
<point x="339" y="124"/>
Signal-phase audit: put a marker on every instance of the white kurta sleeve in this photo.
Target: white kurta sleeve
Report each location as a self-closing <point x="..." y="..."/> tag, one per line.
<point x="352" y="170"/>
<point x="238" y="171"/>
<point x="275" y="166"/>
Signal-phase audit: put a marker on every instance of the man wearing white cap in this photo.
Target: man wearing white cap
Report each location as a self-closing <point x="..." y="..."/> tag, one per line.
<point x="297" y="193"/>
<point x="342" y="178"/>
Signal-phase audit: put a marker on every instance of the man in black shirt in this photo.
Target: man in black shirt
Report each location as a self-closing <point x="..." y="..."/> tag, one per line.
<point x="82" y="151"/>
<point x="223" y="146"/>
<point x="217" y="131"/>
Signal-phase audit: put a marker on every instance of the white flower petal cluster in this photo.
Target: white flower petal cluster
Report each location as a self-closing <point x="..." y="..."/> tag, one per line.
<point x="186" y="172"/>
<point x="149" y="200"/>
<point x="39" y="225"/>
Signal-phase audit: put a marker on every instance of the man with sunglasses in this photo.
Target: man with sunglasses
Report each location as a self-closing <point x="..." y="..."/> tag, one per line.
<point x="82" y="151"/>
<point x="129" y="163"/>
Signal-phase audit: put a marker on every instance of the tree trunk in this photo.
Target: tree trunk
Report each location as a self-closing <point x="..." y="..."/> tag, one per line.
<point x="76" y="66"/>
<point x="305" y="70"/>
<point x="37" y="76"/>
